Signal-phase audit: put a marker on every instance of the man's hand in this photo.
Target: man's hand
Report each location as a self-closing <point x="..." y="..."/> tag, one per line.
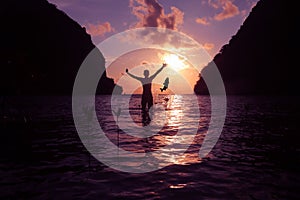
<point x="126" y="70"/>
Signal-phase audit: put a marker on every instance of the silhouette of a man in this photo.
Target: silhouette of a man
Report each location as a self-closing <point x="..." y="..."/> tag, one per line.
<point x="147" y="97"/>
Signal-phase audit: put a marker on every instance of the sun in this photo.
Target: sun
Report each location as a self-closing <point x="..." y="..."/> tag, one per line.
<point x="174" y="62"/>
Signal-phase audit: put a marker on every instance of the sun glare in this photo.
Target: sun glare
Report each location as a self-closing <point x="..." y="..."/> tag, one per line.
<point x="174" y="62"/>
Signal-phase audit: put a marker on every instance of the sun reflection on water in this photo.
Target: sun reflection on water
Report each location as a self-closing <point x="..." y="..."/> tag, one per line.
<point x="178" y="186"/>
<point x="175" y="119"/>
<point x="176" y="114"/>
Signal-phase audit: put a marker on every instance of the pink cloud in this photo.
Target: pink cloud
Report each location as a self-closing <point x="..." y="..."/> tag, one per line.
<point x="244" y="13"/>
<point x="202" y="20"/>
<point x="215" y="3"/>
<point x="99" y="29"/>
<point x="208" y="46"/>
<point x="228" y="9"/>
<point x="151" y="14"/>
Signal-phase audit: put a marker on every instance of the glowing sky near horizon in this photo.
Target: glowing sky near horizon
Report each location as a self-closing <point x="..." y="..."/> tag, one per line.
<point x="211" y="23"/>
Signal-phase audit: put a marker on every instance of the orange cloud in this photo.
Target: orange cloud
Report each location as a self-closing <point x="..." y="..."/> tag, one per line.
<point x="99" y="29"/>
<point x="151" y="14"/>
<point x="202" y="20"/>
<point x="228" y="10"/>
<point x="208" y="46"/>
<point x="215" y="3"/>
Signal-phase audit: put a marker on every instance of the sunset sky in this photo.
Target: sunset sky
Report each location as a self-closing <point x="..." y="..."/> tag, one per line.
<point x="210" y="22"/>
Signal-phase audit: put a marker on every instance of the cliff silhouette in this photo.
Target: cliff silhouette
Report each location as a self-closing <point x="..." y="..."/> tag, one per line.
<point x="257" y="60"/>
<point x="42" y="49"/>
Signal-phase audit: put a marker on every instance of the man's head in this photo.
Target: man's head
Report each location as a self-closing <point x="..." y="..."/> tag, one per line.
<point x="146" y="73"/>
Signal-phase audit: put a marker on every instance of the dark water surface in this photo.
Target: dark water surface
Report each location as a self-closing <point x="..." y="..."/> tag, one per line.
<point x="256" y="157"/>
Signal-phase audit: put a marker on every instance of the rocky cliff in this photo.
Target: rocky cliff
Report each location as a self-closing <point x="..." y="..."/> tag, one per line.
<point x="257" y="60"/>
<point x="41" y="50"/>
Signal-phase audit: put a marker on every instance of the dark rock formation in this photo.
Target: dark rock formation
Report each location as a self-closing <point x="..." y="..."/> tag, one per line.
<point x="41" y="50"/>
<point x="257" y="59"/>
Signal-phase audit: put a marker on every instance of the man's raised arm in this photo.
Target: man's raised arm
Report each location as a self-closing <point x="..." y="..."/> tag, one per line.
<point x="158" y="71"/>
<point x="133" y="76"/>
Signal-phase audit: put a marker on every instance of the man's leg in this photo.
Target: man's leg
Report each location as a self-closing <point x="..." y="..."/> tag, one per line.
<point x="143" y="103"/>
<point x="150" y="102"/>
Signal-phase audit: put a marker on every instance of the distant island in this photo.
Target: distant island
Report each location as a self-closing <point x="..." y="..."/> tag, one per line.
<point x="257" y="60"/>
<point x="42" y="49"/>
